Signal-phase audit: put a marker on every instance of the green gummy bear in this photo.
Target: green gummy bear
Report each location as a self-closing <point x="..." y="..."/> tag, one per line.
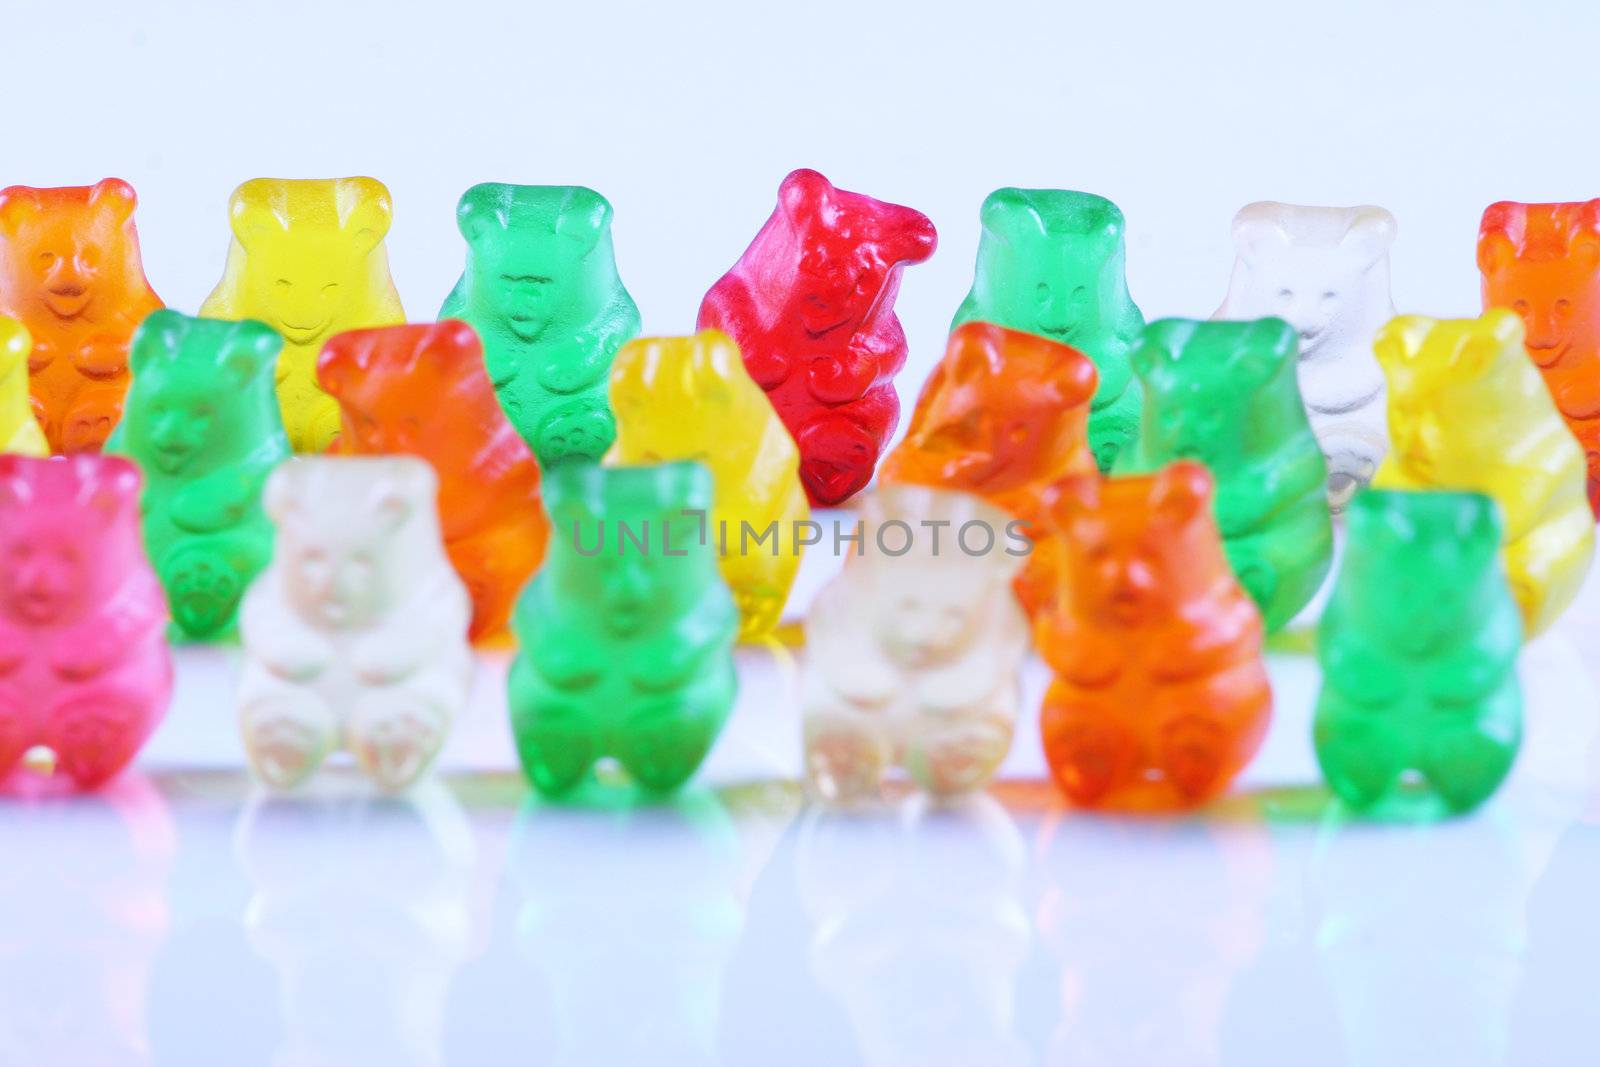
<point x="626" y="632"/>
<point x="1418" y="647"/>
<point x="541" y="289"/>
<point x="1052" y="262"/>
<point x="202" y="421"/>
<point x="1226" y="394"/>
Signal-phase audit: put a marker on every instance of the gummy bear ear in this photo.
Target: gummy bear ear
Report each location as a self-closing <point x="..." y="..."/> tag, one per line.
<point x="116" y="197"/>
<point x="803" y="193"/>
<point x="1496" y="331"/>
<point x="158" y="337"/>
<point x="1151" y="347"/>
<point x="1584" y="243"/>
<point x="583" y="217"/>
<point x="248" y="347"/>
<point x="1259" y="226"/>
<point x="714" y="361"/>
<point x="480" y="210"/>
<point x="1267" y="345"/>
<point x="1479" y="524"/>
<point x="1399" y="341"/>
<point x="15" y="489"/>
<point x="1008" y="212"/>
<point x="1180" y="491"/>
<point x="107" y="486"/>
<point x="19" y="204"/>
<point x="1072" y="498"/>
<point x="281" y="496"/>
<point x="364" y="210"/>
<point x="251" y="213"/>
<point x="1370" y="233"/>
<point x="395" y="495"/>
<point x="974" y="352"/>
<point x="914" y="238"/>
<point x="1495" y="252"/>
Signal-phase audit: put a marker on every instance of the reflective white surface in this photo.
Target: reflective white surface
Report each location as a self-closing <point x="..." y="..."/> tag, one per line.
<point x="183" y="917"/>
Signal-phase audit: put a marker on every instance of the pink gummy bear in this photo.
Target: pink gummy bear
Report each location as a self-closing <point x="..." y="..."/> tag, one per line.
<point x="84" y="665"/>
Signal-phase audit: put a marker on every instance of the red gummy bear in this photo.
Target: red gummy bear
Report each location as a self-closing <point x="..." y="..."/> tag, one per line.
<point x="811" y="305"/>
<point x="1160" y="696"/>
<point x="423" y="390"/>
<point x="70" y="271"/>
<point x="1543" y="262"/>
<point x="84" y="665"/>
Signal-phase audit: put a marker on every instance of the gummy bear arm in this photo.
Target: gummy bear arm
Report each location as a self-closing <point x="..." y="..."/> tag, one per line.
<point x="275" y="636"/>
<point x="848" y="375"/>
<point x="416" y="631"/>
<point x="707" y="631"/>
<point x="1245" y="503"/>
<point x="1075" y="654"/>
<point x="98" y="642"/>
<point x="1210" y="638"/>
<point x="1480" y="667"/>
<point x="101" y="357"/>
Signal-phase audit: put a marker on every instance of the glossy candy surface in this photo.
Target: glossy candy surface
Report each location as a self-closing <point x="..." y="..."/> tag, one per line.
<point x="811" y="306"/>
<point x="202" y="422"/>
<point x="84" y="668"/>
<point x="1051" y="262"/>
<point x="70" y="271"/>
<point x="1226" y="394"/>
<point x="1543" y="262"/>
<point x="1418" y="649"/>
<point x="1325" y="270"/>
<point x="356" y="635"/>
<point x="542" y="290"/>
<point x="1004" y="415"/>
<point x="1469" y="411"/>
<point x="308" y="259"/>
<point x="913" y="659"/>
<point x="1160" y="695"/>
<point x="626" y="634"/>
<point x="690" y="398"/>
<point x="422" y="390"/>
<point x="19" y="430"/>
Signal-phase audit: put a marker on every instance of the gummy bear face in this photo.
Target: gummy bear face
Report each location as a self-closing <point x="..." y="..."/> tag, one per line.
<point x="65" y="252"/>
<point x="1135" y="548"/>
<point x="1201" y="379"/>
<point x="927" y="614"/>
<point x="42" y="582"/>
<point x="1543" y="262"/>
<point x="1323" y="270"/>
<point x="308" y="246"/>
<point x="352" y="532"/>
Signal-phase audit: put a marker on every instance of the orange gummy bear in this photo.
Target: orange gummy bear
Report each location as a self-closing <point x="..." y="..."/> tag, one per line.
<point x="422" y="390"/>
<point x="1543" y="262"/>
<point x="70" y="271"/>
<point x="1004" y="416"/>
<point x="1160" y="695"/>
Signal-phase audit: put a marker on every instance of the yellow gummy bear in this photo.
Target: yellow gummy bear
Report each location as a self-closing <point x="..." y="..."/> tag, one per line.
<point x="1469" y="411"/>
<point x="678" y="398"/>
<point x="308" y="259"/>
<point x="19" y="431"/>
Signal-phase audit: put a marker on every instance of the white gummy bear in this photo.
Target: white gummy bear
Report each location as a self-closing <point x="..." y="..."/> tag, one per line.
<point x="1326" y="271"/>
<point x="356" y="635"/>
<point x="914" y="659"/>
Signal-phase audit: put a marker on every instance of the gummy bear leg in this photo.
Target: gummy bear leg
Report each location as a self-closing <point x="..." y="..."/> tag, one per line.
<point x="664" y="740"/>
<point x="555" y="735"/>
<point x="92" y="418"/>
<point x="95" y="734"/>
<point x="1466" y="762"/>
<point x="1360" y="757"/>
<point x="1192" y="754"/>
<point x="287" y="732"/>
<point x="836" y="459"/>
<point x="1260" y="579"/>
<point x="845" y="757"/>
<point x="394" y="736"/>
<point x="1089" y="754"/>
<point x="203" y="587"/>
<point x="16" y="729"/>
<point x="952" y="755"/>
<point x="1547" y="566"/>
<point x="51" y="428"/>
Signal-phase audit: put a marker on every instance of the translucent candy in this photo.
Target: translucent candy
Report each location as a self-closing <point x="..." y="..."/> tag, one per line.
<point x="1468" y="411"/>
<point x="19" y="431"/>
<point x="70" y="271"/>
<point x="626" y="633"/>
<point x="1543" y="262"/>
<point x="1160" y="695"/>
<point x="1226" y="394"/>
<point x="356" y="635"/>
<point x="811" y="306"/>
<point x="1418" y="647"/>
<point x="656" y="383"/>
<point x="1004" y="416"/>
<point x="913" y="657"/>
<point x="308" y="259"/>
<point x="202" y="421"/>
<point x="84" y="670"/>
<point x="1051" y="262"/>
<point x="1325" y="270"/>
<point x="422" y="391"/>
<point x="542" y="290"/>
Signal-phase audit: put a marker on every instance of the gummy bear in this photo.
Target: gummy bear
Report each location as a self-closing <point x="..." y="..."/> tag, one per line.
<point x="814" y="294"/>
<point x="70" y="271"/>
<point x="1160" y="695"/>
<point x="422" y="390"/>
<point x="203" y="423"/>
<point x="308" y="259"/>
<point x="542" y="290"/>
<point x="84" y="670"/>
<point x="655" y="384"/>
<point x="1543" y="262"/>
<point x="627" y="631"/>
<point x="1225" y="393"/>
<point x="356" y="634"/>
<point x="1326" y="271"/>
<point x="1004" y="415"/>
<point x="914" y="657"/>
<point x="1051" y="262"/>
<point x="1418" y="647"/>
<point x="1469" y="411"/>
<point x="19" y="431"/>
